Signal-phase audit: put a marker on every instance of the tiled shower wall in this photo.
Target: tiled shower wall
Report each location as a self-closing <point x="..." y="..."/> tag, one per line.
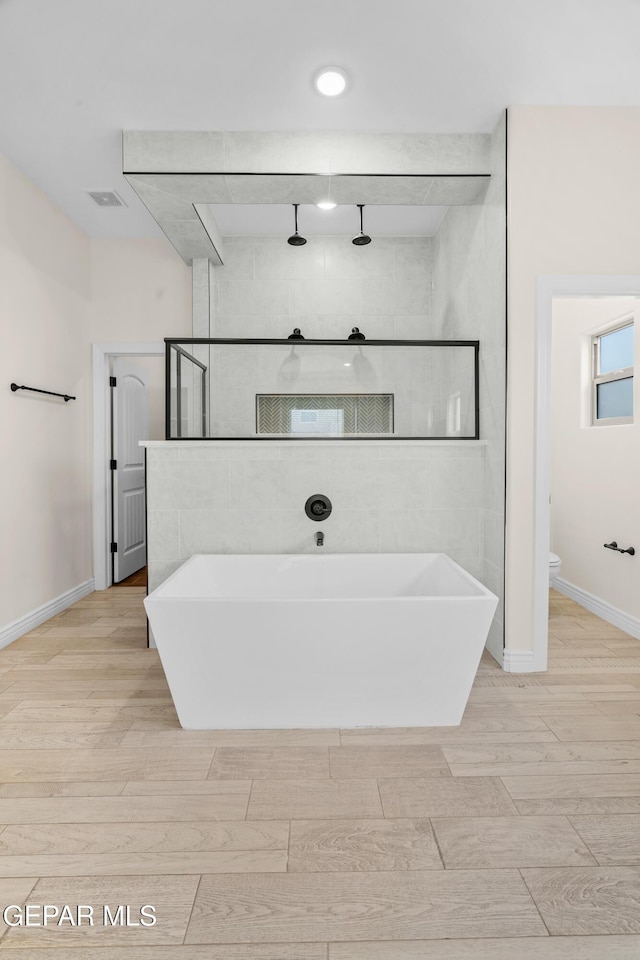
<point x="469" y="301"/>
<point x="248" y="497"/>
<point x="267" y="287"/>
<point x="226" y="497"/>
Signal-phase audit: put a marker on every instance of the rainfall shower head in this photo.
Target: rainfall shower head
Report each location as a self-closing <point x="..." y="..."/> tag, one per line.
<point x="295" y="239"/>
<point x="362" y="239"/>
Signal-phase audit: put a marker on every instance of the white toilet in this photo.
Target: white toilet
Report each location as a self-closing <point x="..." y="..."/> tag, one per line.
<point x="554" y="567"/>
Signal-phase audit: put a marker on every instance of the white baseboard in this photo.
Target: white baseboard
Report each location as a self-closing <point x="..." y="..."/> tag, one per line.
<point x="29" y="621"/>
<point x="520" y="661"/>
<point x="601" y="608"/>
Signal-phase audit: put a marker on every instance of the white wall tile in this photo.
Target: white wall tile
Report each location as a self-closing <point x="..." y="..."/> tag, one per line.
<point x="406" y="153"/>
<point x="276" y="259"/>
<point x="166" y="152"/>
<point x="413" y="259"/>
<point x="492" y="425"/>
<point x="327" y="281"/>
<point x="389" y="484"/>
<point x="414" y="328"/>
<point x="350" y="531"/>
<point x="163" y="535"/>
<point x="238" y="296"/>
<point x="163" y="453"/>
<point x="344" y="261"/>
<point x="393" y="298"/>
<point x="229" y="531"/>
<point x="157" y="572"/>
<point x="457" y="483"/>
<point x="469" y="270"/>
<point x="231" y="451"/>
<point x="313" y="297"/>
<point x="238" y="260"/>
<point x="276" y="152"/>
<point x="493" y="579"/>
<point x="319" y="450"/>
<point x="455" y="532"/>
<point x="494" y="484"/>
<point x="184" y="485"/>
<point x="276" y="484"/>
<point x="493" y="537"/>
<point x="454" y="450"/>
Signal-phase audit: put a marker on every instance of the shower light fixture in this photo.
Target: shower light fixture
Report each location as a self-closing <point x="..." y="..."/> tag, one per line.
<point x="295" y="239"/>
<point x="362" y="239"/>
<point x="331" y="81"/>
<point x="326" y="205"/>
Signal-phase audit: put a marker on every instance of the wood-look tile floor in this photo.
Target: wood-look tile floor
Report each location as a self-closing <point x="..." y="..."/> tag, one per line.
<point x="515" y="836"/>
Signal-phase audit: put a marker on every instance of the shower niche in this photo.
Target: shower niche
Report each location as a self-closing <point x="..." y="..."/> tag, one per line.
<point x="292" y="389"/>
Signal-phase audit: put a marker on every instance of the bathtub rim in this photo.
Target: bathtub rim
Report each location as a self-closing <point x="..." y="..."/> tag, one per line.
<point x="483" y="593"/>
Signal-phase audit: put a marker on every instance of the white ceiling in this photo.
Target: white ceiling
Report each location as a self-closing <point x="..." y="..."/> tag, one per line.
<point x="74" y="73"/>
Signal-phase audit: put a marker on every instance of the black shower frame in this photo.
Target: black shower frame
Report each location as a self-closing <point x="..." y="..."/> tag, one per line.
<point x="176" y="342"/>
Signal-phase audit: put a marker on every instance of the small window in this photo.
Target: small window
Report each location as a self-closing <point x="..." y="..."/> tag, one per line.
<point x="612" y="394"/>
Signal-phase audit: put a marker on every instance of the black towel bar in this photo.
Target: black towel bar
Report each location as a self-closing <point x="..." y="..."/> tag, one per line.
<point x="65" y="396"/>
<point x="614" y="546"/>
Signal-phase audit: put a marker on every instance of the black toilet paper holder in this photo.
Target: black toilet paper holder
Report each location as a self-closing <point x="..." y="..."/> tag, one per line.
<point x="614" y="546"/>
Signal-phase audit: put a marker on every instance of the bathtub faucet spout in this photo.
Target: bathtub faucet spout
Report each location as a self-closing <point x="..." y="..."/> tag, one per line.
<point x="319" y="539"/>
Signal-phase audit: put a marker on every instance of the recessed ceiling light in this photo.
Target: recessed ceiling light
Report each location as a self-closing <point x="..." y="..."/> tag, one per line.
<point x="326" y="205"/>
<point x="331" y="81"/>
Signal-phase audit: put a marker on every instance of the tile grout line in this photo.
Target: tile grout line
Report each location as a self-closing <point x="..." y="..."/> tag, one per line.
<point x="213" y="756"/>
<point x="246" y="812"/>
<point x="288" y="846"/>
<point x="591" y="852"/>
<point x="195" y="897"/>
<point x="437" y="842"/>
<point x="533" y="900"/>
<point x="444" y="757"/>
<point x="4" y="932"/>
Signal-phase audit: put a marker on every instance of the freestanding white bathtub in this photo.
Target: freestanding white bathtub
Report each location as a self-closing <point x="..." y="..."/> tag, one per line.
<point x="335" y="640"/>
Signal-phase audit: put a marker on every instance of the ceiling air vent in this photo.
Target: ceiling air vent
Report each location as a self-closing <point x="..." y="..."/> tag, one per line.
<point x="106" y="198"/>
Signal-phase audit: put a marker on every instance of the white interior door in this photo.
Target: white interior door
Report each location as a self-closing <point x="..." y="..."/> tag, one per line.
<point x="130" y="421"/>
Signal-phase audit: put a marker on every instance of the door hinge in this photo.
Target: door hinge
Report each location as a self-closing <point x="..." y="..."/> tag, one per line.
<point x="113" y="464"/>
<point x="114" y="548"/>
<point x="112" y="382"/>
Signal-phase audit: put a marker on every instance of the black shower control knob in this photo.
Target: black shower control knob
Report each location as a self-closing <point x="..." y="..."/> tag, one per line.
<point x="318" y="507"/>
